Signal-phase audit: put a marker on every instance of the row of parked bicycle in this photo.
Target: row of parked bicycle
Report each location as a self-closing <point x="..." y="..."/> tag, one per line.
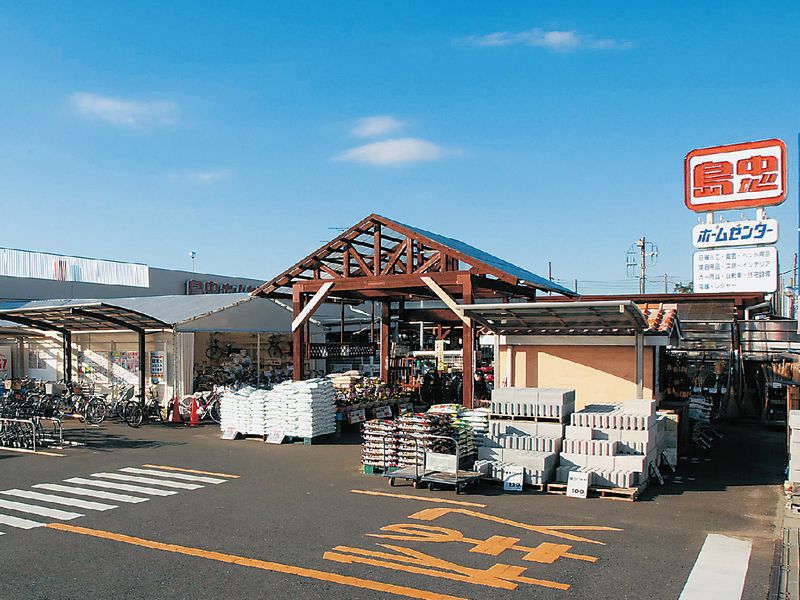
<point x="30" y="400"/>
<point x="29" y="416"/>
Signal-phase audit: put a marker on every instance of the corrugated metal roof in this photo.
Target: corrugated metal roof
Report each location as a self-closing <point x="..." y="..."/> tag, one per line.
<point x="151" y="312"/>
<point x="490" y="259"/>
<point x="572" y="318"/>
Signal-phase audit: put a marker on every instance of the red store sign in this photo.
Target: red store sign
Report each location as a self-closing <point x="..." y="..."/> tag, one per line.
<point x="735" y="176"/>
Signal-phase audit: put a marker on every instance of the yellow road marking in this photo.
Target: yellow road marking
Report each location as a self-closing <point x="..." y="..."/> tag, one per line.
<point x="431" y="514"/>
<point x="420" y="498"/>
<point x="412" y="561"/>
<point x="28" y="451"/>
<point x="192" y="471"/>
<point x="493" y="546"/>
<point x="366" y="584"/>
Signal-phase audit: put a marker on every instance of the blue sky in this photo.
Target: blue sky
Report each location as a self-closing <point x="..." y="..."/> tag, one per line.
<point x="245" y="131"/>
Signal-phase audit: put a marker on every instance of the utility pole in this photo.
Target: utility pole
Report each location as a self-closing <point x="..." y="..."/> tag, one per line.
<point x="666" y="290"/>
<point x="638" y="254"/>
<point x="642" y="277"/>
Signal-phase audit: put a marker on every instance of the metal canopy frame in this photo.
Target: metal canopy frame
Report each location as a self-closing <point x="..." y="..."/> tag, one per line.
<point x="383" y="261"/>
<point x="610" y="319"/>
<point x="75" y="317"/>
<point x="561" y="318"/>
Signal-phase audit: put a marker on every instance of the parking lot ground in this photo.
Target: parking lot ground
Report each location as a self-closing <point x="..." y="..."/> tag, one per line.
<point x="297" y="521"/>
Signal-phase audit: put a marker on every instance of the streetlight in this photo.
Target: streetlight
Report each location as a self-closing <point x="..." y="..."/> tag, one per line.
<point x="192" y="255"/>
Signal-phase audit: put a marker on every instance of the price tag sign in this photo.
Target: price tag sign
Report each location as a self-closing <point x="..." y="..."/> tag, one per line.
<point x="229" y="433"/>
<point x="356" y="416"/>
<point x="578" y="485"/>
<point x="383" y="412"/>
<point x="408" y="407"/>
<point x="275" y="436"/>
<point x="513" y="479"/>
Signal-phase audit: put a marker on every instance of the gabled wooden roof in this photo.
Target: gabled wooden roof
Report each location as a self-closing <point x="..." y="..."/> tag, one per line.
<point x="381" y="254"/>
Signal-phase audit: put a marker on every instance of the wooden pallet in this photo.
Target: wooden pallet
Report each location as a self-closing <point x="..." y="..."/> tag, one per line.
<point x="625" y="494"/>
<point x="536" y="487"/>
<point x="307" y="441"/>
<point x="528" y="419"/>
<point x="376" y="470"/>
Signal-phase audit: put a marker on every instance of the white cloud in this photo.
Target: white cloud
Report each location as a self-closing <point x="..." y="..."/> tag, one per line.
<point x="397" y="151"/>
<point x="558" y="41"/>
<point x="129" y="113"/>
<point x="201" y="177"/>
<point x="377" y="125"/>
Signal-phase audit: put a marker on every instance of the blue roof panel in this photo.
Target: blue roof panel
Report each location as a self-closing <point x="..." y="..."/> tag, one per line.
<point x="491" y="260"/>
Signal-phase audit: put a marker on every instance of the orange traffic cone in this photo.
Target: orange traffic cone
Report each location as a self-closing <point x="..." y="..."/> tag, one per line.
<point x="194" y="420"/>
<point x="176" y="411"/>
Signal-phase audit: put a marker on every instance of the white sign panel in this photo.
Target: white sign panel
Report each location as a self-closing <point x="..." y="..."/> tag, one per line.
<point x="736" y="270"/>
<point x="383" y="412"/>
<point x="513" y="479"/>
<point x="275" y="436"/>
<point x="578" y="485"/>
<point x="738" y="233"/>
<point x="356" y="416"/>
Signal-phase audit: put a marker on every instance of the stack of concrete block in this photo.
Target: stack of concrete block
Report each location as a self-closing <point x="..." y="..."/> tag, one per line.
<point x="543" y="403"/>
<point x="525" y="430"/>
<point x="539" y="467"/>
<point x="794" y="446"/>
<point x="616" y="443"/>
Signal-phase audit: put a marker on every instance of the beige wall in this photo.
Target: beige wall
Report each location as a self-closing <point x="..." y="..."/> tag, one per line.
<point x="596" y="373"/>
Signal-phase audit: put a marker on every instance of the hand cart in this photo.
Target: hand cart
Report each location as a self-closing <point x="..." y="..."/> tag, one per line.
<point x="437" y="469"/>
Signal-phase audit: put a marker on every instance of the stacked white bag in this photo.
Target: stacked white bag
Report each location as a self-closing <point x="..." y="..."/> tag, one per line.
<point x="302" y="408"/>
<point x="242" y="411"/>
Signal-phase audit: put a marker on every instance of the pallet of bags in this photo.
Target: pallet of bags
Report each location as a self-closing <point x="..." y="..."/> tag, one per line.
<point x="379" y="445"/>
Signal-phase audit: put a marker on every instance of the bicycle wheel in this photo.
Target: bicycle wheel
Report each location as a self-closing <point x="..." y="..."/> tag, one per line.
<point x="214" y="411"/>
<point x="275" y="351"/>
<point x="133" y="413"/>
<point x="185" y="406"/>
<point x="154" y="412"/>
<point x="214" y="352"/>
<point x="95" y="411"/>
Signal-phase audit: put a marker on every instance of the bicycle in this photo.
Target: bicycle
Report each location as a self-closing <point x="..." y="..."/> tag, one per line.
<point x="134" y="413"/>
<point x="274" y="348"/>
<point x="208" y="405"/>
<point x="80" y="399"/>
<point x="215" y="351"/>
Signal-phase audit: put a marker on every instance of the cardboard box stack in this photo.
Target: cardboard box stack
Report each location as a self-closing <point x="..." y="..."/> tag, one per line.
<point x="525" y="430"/>
<point x="616" y="443"/>
<point x="346" y="380"/>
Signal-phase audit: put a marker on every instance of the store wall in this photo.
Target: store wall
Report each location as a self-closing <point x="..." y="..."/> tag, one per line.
<point x="91" y="359"/>
<point x="597" y="373"/>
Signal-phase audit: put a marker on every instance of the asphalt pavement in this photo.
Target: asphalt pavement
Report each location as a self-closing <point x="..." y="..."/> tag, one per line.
<point x="246" y="519"/>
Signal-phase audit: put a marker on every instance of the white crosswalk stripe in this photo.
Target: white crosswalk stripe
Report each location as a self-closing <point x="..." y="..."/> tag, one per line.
<point x="113" y="485"/>
<point x="76" y="502"/>
<point x="79" y="491"/>
<point x="96" y="492"/>
<point x="53" y="513"/>
<point x="182" y="476"/>
<point x="149" y="481"/>
<point x="19" y="523"/>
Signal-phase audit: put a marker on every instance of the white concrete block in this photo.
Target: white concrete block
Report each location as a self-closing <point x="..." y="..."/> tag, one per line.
<point x="794" y="419"/>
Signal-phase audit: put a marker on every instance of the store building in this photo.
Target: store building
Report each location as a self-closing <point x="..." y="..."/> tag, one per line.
<point x="28" y="275"/>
